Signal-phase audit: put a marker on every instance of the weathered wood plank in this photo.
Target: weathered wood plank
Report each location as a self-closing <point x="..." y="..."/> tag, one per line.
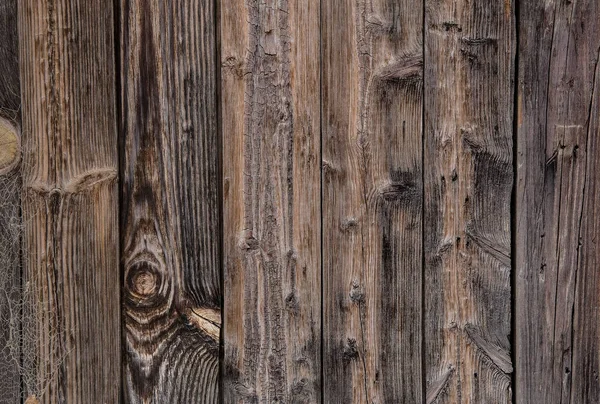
<point x="10" y="206"/>
<point x="372" y="200"/>
<point x="469" y="68"/>
<point x="70" y="201"/>
<point x="558" y="189"/>
<point x="170" y="194"/>
<point x="270" y="104"/>
<point x="10" y="95"/>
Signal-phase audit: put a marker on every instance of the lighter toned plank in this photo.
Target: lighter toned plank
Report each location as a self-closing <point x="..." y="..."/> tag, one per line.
<point x="170" y="212"/>
<point x="469" y="67"/>
<point x="372" y="201"/>
<point x="70" y="202"/>
<point x="270" y="104"/>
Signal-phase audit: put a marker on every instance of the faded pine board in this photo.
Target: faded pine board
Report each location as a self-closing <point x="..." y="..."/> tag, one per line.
<point x="372" y="201"/>
<point x="170" y="195"/>
<point x="271" y="170"/>
<point x="10" y="205"/>
<point x="72" y="350"/>
<point x="558" y="189"/>
<point x="469" y="67"/>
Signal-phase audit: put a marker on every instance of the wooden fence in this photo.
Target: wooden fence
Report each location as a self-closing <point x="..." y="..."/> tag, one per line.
<point x="299" y="201"/>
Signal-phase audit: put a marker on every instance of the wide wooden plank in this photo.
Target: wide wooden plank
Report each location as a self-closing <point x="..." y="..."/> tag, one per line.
<point x="70" y="202"/>
<point x="170" y="196"/>
<point x="271" y="169"/>
<point x="469" y="68"/>
<point x="372" y="201"/>
<point x="10" y="207"/>
<point x="558" y="189"/>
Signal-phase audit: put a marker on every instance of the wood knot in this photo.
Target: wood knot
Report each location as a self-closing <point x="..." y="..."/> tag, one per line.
<point x="10" y="145"/>
<point x="357" y="295"/>
<point x="349" y="224"/>
<point x="248" y="242"/>
<point x="408" y="69"/>
<point x="402" y="190"/>
<point x="145" y="284"/>
<point x="350" y="351"/>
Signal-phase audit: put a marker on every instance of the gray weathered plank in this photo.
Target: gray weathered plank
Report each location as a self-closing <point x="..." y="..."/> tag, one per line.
<point x="270" y="108"/>
<point x="170" y="196"/>
<point x="10" y="206"/>
<point x="469" y="68"/>
<point x="69" y="202"/>
<point x="558" y="189"/>
<point x="372" y="201"/>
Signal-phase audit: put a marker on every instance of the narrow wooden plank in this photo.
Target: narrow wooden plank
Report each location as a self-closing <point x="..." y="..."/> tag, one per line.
<point x="372" y="200"/>
<point x="10" y="96"/>
<point x="10" y="207"/>
<point x="469" y="68"/>
<point x="170" y="213"/>
<point x="558" y="189"/>
<point x="270" y="104"/>
<point x="70" y="201"/>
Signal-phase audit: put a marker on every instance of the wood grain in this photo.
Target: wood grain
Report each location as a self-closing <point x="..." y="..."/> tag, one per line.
<point x="270" y="108"/>
<point x="10" y="205"/>
<point x="10" y="95"/>
<point x="469" y="68"/>
<point x="170" y="195"/>
<point x="70" y="201"/>
<point x="558" y="188"/>
<point x="372" y="201"/>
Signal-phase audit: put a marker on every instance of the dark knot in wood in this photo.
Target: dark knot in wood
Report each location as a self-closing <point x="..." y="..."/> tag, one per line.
<point x="145" y="283"/>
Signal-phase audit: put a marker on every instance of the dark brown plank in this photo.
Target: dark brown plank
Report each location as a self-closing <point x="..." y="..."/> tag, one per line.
<point x="372" y="201"/>
<point x="170" y="213"/>
<point x="10" y="95"/>
<point x="70" y="202"/>
<point x="558" y="189"/>
<point x="270" y="104"/>
<point x="469" y="68"/>
<point x="10" y="206"/>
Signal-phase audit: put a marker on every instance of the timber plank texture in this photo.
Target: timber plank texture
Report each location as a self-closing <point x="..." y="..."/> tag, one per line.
<point x="70" y="201"/>
<point x="271" y="169"/>
<point x="372" y="201"/>
<point x="299" y="201"/>
<point x="469" y="68"/>
<point x="170" y="201"/>
<point x="557" y="205"/>
<point x="10" y="204"/>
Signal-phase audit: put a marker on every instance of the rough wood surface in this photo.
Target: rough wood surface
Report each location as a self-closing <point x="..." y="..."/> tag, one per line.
<point x="372" y="201"/>
<point x="557" y="304"/>
<point x="70" y="201"/>
<point x="10" y="95"/>
<point x="10" y="206"/>
<point x="469" y="67"/>
<point x="170" y="196"/>
<point x="270" y="108"/>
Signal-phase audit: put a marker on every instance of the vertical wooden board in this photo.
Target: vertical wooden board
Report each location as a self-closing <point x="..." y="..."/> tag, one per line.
<point x="10" y="96"/>
<point x="170" y="196"/>
<point x="69" y="202"/>
<point x="271" y="123"/>
<point x="10" y="206"/>
<point x="469" y="68"/>
<point x="557" y="300"/>
<point x="372" y="97"/>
